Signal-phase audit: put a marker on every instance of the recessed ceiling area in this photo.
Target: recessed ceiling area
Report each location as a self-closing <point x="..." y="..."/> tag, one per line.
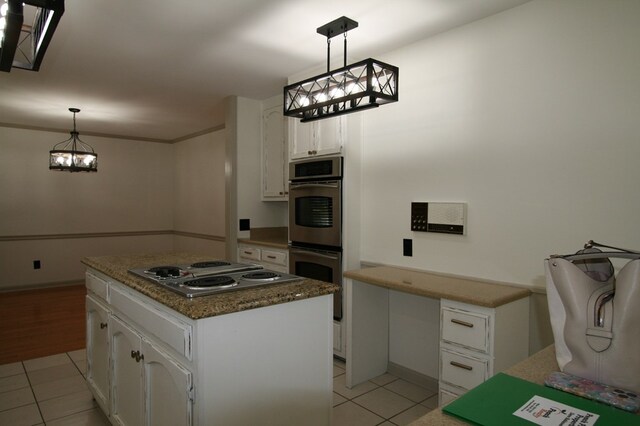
<point x="160" y="69"/>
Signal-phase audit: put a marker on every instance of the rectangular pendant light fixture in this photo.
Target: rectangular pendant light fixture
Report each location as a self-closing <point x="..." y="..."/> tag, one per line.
<point x="361" y="85"/>
<point x="22" y="45"/>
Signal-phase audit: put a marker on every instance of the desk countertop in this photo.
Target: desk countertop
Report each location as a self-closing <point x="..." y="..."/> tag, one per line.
<point x="437" y="286"/>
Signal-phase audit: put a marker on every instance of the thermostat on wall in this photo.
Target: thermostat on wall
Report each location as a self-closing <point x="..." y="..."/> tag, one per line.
<point x="447" y="218"/>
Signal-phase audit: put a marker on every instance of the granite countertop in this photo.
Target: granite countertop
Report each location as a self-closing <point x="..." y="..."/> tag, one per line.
<point x="269" y="237"/>
<point x="116" y="267"/>
<point x="534" y="369"/>
<point x="437" y="286"/>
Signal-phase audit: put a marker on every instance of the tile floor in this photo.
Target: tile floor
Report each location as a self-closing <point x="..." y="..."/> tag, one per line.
<point x="52" y="391"/>
<point x="384" y="400"/>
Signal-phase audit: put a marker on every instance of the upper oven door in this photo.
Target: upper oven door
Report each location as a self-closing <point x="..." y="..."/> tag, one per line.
<point x="315" y="213"/>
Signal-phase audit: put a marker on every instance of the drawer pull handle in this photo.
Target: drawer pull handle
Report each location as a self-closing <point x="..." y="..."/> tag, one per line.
<point x="462" y="323"/>
<point x="271" y="257"/>
<point x="103" y="325"/>
<point x="247" y="252"/>
<point x="463" y="366"/>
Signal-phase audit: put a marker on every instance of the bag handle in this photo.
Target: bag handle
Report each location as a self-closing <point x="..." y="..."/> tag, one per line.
<point x="621" y="253"/>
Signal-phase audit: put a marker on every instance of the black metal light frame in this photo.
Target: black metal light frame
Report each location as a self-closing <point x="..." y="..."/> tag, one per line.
<point x="33" y="40"/>
<point x="361" y="85"/>
<point x="73" y="155"/>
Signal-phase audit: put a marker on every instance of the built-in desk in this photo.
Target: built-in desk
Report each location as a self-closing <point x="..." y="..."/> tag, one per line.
<point x="484" y="326"/>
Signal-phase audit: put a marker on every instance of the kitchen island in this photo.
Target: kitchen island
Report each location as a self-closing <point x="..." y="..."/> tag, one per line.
<point x="256" y="356"/>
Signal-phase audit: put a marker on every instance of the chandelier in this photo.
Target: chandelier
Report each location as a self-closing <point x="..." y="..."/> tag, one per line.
<point x="361" y="85"/>
<point x="73" y="155"/>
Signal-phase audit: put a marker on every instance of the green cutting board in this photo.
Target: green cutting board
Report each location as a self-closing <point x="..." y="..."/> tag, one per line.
<point x="495" y="401"/>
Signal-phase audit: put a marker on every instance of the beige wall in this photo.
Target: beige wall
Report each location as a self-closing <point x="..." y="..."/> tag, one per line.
<point x="142" y="192"/>
<point x="531" y="118"/>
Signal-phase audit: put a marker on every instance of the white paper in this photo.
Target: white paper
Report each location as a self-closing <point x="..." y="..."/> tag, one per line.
<point x="546" y="412"/>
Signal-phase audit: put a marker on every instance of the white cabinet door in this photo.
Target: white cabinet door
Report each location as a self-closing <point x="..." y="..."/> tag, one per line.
<point x="168" y="389"/>
<point x="126" y="374"/>
<point x="301" y="138"/>
<point x="322" y="137"/>
<point x="274" y="155"/>
<point x="330" y="136"/>
<point x="98" y="351"/>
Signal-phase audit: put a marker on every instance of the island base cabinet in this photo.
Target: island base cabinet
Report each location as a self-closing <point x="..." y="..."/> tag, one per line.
<point x="126" y="375"/>
<point x="98" y="351"/>
<point x="148" y="387"/>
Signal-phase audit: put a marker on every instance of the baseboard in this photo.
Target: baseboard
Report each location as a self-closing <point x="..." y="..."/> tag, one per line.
<point x="413" y="376"/>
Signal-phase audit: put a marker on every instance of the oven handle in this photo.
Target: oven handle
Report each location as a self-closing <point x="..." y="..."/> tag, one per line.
<point x="311" y="185"/>
<point x="312" y="253"/>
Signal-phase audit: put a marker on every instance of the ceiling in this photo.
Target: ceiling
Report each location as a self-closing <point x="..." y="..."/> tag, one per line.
<point x="159" y="69"/>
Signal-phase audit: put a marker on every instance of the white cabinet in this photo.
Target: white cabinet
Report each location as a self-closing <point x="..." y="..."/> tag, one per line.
<point x="270" y="258"/>
<point x="478" y="342"/>
<point x="98" y="350"/>
<point x="275" y="171"/>
<point x="322" y="137"/>
<point x="126" y="375"/>
<point x="147" y="386"/>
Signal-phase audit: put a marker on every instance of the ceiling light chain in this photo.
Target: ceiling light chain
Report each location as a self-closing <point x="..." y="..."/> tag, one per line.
<point x="365" y="84"/>
<point x="73" y="155"/>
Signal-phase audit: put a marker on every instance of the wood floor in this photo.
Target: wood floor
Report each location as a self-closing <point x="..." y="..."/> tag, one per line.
<point x="36" y="323"/>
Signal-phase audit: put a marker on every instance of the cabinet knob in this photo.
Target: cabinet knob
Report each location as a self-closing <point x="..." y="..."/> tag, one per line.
<point x="310" y="152"/>
<point x="133" y="354"/>
<point x="103" y="325"/>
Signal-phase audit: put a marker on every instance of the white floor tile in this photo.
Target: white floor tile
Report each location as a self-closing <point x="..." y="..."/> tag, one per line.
<point x="11" y="369"/>
<point x="339" y="386"/>
<point x="384" y="403"/>
<point x="384" y="379"/>
<point x="410" y="415"/>
<point x="49" y="374"/>
<point x="10" y="383"/>
<point x="27" y="415"/>
<point x="82" y="366"/>
<point x="66" y="405"/>
<point x="338" y="399"/>
<point x="414" y="392"/>
<point x="16" y="398"/>
<point x="337" y="370"/>
<point x="60" y="387"/>
<point x="93" y="417"/>
<point x="350" y="414"/>
<point x="79" y="355"/>
<point x="47" y="361"/>
<point x="431" y="402"/>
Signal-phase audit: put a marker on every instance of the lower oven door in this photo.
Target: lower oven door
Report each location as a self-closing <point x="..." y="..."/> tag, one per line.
<point x="315" y="213"/>
<point x="322" y="265"/>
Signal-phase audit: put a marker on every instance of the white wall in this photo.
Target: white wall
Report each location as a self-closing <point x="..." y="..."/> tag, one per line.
<point x="531" y="118"/>
<point x="199" y="199"/>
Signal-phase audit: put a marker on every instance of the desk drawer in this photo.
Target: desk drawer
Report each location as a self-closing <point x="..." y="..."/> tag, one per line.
<point x="166" y="328"/>
<point x="467" y="329"/>
<point x="463" y="371"/>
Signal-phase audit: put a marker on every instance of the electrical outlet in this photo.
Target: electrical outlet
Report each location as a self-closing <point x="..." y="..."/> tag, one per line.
<point x="36" y="264"/>
<point x="407" y="247"/>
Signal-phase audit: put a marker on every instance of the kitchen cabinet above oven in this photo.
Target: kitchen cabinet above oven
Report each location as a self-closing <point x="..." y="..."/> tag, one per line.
<point x="275" y="171"/>
<point x="322" y="137"/>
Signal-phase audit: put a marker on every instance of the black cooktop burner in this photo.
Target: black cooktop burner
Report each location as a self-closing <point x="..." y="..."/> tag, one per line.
<point x="211" y="281"/>
<point x="165" y="271"/>
<point x="210" y="264"/>
<point x="260" y="275"/>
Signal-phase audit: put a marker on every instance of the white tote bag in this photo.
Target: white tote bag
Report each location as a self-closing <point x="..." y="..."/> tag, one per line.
<point x="595" y="315"/>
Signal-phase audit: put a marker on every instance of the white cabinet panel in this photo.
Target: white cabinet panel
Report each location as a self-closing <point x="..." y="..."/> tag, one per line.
<point x="465" y="328"/>
<point x="322" y="137"/>
<point x="98" y="351"/>
<point x="274" y="156"/>
<point x="462" y="370"/>
<point x="168" y="388"/>
<point x="126" y="375"/>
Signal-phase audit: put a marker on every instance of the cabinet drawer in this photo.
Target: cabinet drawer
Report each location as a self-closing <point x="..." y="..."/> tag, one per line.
<point x="446" y="397"/>
<point x="96" y="285"/>
<point x="277" y="257"/>
<point x="168" y="329"/>
<point x="463" y="371"/>
<point x="250" y="253"/>
<point x="465" y="328"/>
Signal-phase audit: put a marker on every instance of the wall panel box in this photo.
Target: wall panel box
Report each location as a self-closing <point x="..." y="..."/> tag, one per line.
<point x="446" y="218"/>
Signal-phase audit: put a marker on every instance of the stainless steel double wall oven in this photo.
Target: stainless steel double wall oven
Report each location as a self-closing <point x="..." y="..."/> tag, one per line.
<point x="315" y="222"/>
